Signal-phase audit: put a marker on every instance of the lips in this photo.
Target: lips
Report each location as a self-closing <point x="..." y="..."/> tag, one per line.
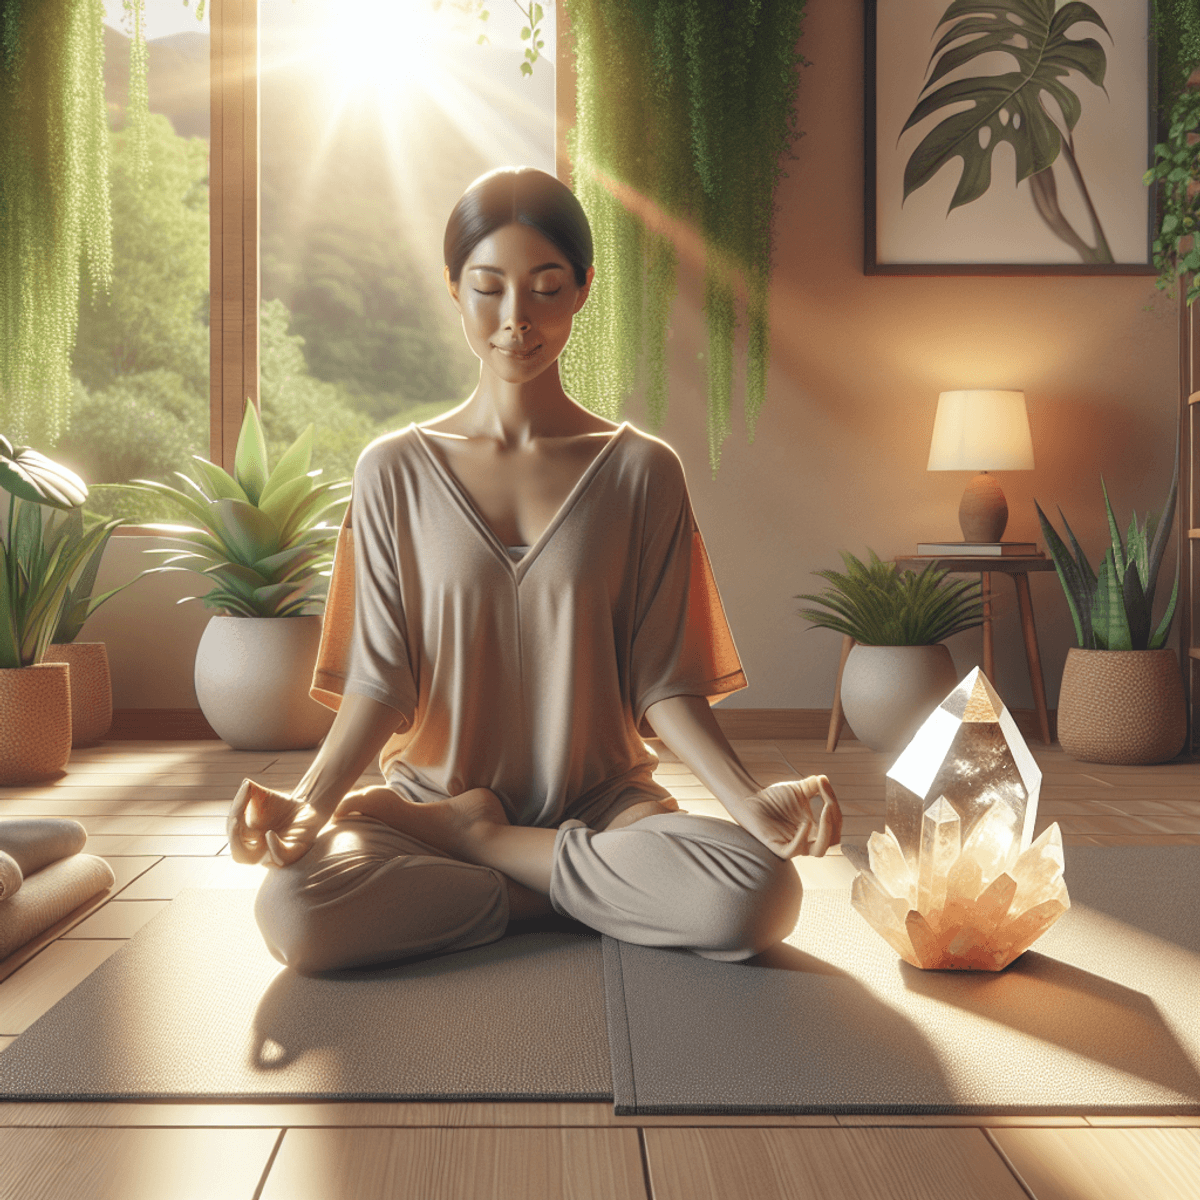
<point x="519" y="352"/>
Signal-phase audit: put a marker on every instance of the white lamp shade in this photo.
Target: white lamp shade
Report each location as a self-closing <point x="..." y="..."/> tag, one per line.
<point x="981" y="431"/>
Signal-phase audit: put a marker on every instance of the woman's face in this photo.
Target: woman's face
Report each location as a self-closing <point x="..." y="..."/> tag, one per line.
<point x="517" y="296"/>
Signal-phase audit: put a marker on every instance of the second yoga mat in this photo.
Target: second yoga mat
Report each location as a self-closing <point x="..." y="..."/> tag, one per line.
<point x="1102" y="1015"/>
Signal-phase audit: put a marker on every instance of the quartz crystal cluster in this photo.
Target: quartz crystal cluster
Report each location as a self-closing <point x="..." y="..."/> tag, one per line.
<point x="956" y="880"/>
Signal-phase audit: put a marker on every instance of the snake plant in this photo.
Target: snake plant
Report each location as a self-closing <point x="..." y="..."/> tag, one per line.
<point x="254" y="533"/>
<point x="1112" y="609"/>
<point x="41" y="559"/>
<point x="878" y="605"/>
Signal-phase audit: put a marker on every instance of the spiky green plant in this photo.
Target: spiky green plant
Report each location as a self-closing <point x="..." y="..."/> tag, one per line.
<point x="254" y="533"/>
<point x="1113" y="609"/>
<point x="879" y="605"/>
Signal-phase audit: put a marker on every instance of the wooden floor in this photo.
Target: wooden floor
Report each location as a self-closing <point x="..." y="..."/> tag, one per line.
<point x="156" y="811"/>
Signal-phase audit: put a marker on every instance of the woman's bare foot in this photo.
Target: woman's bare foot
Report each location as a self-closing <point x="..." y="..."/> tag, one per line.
<point x="456" y="826"/>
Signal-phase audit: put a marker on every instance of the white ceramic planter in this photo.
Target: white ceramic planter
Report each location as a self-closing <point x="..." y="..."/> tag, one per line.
<point x="888" y="691"/>
<point x="252" y="681"/>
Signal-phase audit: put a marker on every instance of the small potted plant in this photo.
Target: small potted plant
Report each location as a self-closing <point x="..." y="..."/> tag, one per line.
<point x="899" y="669"/>
<point x="1121" y="698"/>
<point x="256" y="536"/>
<point x="39" y="562"/>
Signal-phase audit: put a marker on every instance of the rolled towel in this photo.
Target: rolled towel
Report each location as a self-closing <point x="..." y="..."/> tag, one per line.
<point x="10" y="875"/>
<point x="35" y="842"/>
<point x="48" y="896"/>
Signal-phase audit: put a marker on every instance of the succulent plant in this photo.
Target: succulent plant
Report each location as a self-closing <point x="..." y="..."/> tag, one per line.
<point x="254" y="533"/>
<point x="879" y="605"/>
<point x="42" y="559"/>
<point x="1112" y="609"/>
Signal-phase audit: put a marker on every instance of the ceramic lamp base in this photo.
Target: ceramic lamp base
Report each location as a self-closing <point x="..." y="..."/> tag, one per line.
<point x="983" y="513"/>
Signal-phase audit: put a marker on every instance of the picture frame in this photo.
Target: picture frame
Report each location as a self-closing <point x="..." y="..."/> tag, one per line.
<point x="942" y="143"/>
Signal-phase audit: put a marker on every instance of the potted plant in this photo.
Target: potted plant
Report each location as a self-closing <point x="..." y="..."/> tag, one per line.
<point x="899" y="669"/>
<point x="38" y="564"/>
<point x="255" y="535"/>
<point x="91" y="683"/>
<point x="1121" y="699"/>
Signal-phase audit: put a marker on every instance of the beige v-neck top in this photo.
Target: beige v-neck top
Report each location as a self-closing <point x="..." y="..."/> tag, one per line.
<point x="531" y="676"/>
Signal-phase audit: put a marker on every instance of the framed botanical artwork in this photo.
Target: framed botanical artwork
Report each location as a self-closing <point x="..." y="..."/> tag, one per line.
<point x="1008" y="137"/>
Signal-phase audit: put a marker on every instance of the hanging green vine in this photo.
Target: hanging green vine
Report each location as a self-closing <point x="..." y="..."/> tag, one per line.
<point x="1176" y="30"/>
<point x="54" y="201"/>
<point x="689" y="105"/>
<point x="55" y="210"/>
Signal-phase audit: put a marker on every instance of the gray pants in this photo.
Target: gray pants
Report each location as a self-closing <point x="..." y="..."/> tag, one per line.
<point x="366" y="893"/>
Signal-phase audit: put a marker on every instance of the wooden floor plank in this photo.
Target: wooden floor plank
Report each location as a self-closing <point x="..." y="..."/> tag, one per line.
<point x="117" y="919"/>
<point x="84" y="807"/>
<point x="133" y="1164"/>
<point x="43" y="981"/>
<point x="166" y="880"/>
<point x="452" y="1164"/>
<point x="1104" y="1164"/>
<point x="826" y="1164"/>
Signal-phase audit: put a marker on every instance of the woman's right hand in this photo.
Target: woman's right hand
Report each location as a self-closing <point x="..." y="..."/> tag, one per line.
<point x="265" y="824"/>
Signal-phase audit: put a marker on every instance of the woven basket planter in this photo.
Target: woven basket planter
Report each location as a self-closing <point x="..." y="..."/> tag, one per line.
<point x="91" y="689"/>
<point x="1122" y="706"/>
<point x="35" y="722"/>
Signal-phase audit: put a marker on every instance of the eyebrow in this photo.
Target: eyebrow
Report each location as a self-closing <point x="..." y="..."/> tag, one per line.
<point x="546" y="266"/>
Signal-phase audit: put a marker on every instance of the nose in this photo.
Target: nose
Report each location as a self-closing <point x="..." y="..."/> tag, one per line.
<point x="512" y="314"/>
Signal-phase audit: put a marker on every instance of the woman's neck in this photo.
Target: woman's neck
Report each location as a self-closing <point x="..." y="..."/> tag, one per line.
<point x="516" y="414"/>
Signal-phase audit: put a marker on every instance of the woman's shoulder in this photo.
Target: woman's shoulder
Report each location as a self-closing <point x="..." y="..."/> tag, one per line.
<point x="387" y="452"/>
<point x="653" y="455"/>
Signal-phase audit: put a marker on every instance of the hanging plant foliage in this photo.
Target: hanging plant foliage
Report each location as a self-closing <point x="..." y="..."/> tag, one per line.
<point x="689" y="107"/>
<point x="55" y="209"/>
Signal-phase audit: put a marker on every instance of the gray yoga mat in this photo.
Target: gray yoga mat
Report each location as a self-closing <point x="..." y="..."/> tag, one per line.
<point x="1102" y="1015"/>
<point x="194" y="1006"/>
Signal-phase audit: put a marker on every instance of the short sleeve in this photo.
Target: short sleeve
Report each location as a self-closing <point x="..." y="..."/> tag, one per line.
<point x="364" y="641"/>
<point x="682" y="644"/>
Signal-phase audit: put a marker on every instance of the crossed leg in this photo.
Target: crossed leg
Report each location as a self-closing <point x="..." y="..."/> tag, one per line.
<point x="455" y="873"/>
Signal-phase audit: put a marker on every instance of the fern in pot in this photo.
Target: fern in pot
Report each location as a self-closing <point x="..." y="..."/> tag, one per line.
<point x="258" y="537"/>
<point x="1121" y="698"/>
<point x="899" y="669"/>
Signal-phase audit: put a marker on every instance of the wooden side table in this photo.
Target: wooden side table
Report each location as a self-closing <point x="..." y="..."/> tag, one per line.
<point x="1017" y="568"/>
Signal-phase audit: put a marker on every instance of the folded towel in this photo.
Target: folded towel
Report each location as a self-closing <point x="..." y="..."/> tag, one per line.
<point x="10" y="875"/>
<point x="35" y="842"/>
<point x="48" y="896"/>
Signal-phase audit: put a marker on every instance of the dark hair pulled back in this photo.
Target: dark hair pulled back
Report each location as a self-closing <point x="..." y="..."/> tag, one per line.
<point x="525" y="195"/>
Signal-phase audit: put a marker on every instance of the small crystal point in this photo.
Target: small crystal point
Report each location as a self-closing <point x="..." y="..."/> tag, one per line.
<point x="939" y="849"/>
<point x="890" y="867"/>
<point x="884" y="913"/>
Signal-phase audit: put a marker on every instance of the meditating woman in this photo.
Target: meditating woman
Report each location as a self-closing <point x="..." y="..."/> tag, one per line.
<point x="519" y="595"/>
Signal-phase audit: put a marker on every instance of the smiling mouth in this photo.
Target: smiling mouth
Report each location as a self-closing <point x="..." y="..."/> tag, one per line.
<point x="517" y="352"/>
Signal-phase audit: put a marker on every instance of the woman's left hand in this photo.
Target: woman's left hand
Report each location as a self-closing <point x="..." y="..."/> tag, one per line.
<point x="780" y="816"/>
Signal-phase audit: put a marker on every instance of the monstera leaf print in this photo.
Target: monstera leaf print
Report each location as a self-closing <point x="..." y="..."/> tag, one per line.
<point x="1010" y="107"/>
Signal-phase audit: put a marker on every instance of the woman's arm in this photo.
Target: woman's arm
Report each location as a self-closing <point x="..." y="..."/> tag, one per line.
<point x="284" y="827"/>
<point x="779" y="815"/>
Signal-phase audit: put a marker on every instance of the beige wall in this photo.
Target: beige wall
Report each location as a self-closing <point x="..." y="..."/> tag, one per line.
<point x="839" y="457"/>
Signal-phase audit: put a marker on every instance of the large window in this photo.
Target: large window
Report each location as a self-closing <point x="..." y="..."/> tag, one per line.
<point x="374" y="116"/>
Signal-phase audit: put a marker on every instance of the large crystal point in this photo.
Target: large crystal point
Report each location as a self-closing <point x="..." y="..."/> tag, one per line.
<point x="956" y="880"/>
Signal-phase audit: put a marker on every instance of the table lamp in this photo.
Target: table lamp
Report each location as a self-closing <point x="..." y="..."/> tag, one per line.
<point x="981" y="431"/>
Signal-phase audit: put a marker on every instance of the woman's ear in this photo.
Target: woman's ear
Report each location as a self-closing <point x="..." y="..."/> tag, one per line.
<point x="581" y="299"/>
<point x="452" y="287"/>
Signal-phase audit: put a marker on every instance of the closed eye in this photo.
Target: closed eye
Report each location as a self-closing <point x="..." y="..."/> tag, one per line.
<point x="553" y="293"/>
<point x="481" y="292"/>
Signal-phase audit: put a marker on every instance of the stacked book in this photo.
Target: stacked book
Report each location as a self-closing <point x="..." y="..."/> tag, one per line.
<point x="978" y="549"/>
